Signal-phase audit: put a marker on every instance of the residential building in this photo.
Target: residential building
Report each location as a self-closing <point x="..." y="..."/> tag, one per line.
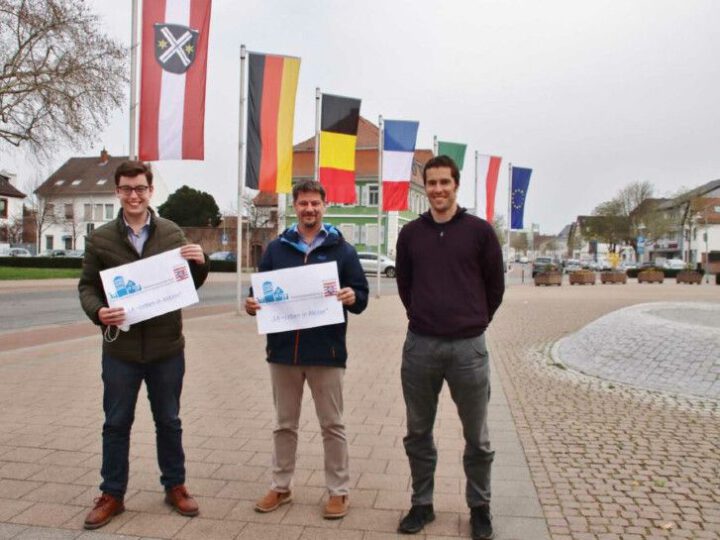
<point x="11" y="209"/>
<point x="359" y="222"/>
<point x="79" y="197"/>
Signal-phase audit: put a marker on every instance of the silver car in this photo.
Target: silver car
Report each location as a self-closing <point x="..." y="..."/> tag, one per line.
<point x="369" y="263"/>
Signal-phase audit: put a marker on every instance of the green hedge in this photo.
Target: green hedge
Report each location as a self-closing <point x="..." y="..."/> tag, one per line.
<point x="75" y="262"/>
<point x="223" y="266"/>
<point x="41" y="262"/>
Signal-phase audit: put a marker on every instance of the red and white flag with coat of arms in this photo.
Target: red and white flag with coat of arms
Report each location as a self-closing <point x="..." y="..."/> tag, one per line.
<point x="174" y="66"/>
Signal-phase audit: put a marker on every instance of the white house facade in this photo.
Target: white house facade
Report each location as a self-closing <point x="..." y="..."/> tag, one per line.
<point x="80" y="197"/>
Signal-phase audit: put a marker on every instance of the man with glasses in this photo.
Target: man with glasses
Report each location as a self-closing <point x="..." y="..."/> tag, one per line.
<point x="150" y="351"/>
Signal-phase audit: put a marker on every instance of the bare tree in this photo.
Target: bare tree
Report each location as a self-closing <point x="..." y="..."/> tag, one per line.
<point x="61" y="77"/>
<point x="40" y="209"/>
<point x="14" y="230"/>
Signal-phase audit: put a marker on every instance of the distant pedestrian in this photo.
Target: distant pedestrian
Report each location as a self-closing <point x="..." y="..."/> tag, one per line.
<point x="450" y="278"/>
<point x="150" y="351"/>
<point x="316" y="355"/>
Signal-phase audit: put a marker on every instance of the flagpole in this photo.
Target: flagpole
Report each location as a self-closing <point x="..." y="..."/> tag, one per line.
<point x="381" y="147"/>
<point x="477" y="210"/>
<point x="132" y="150"/>
<point x="241" y="178"/>
<point x="318" y="97"/>
<point x="435" y="145"/>
<point x="509" y="224"/>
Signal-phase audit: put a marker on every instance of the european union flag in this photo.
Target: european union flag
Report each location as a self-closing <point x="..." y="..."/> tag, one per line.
<point x="520" y="183"/>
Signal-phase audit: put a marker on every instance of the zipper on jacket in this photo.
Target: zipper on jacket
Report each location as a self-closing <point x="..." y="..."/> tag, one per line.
<point x="297" y="332"/>
<point x="297" y="345"/>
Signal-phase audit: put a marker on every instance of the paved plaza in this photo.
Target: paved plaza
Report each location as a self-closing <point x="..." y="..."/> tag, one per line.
<point x="579" y="455"/>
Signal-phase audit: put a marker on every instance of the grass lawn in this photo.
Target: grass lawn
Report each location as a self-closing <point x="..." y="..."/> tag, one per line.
<point x="11" y="272"/>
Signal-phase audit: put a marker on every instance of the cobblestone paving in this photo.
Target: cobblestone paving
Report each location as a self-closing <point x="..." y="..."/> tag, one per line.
<point x="610" y="461"/>
<point x="673" y="347"/>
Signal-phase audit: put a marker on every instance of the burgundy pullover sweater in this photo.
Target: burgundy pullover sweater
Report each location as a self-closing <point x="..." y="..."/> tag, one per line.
<point x="450" y="276"/>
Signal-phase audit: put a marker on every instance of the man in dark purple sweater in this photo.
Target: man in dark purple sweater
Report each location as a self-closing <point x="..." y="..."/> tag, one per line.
<point x="450" y="278"/>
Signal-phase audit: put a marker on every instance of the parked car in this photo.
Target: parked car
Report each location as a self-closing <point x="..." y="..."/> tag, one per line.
<point x="523" y="260"/>
<point x="19" y="252"/>
<point x="75" y="253"/>
<point x="223" y="256"/>
<point x="627" y="265"/>
<point x="541" y="263"/>
<point x="369" y="263"/>
<point x="675" y="264"/>
<point x="572" y="265"/>
<point x="648" y="264"/>
<point x="54" y="253"/>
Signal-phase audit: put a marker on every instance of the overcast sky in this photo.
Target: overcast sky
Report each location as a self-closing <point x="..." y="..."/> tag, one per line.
<point x="591" y="95"/>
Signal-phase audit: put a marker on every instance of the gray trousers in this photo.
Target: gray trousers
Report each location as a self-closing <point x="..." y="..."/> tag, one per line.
<point x="464" y="364"/>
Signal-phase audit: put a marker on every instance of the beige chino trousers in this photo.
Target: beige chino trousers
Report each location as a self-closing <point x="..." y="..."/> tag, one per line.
<point x="326" y="385"/>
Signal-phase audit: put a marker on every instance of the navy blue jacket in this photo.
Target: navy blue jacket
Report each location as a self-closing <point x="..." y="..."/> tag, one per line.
<point x="324" y="345"/>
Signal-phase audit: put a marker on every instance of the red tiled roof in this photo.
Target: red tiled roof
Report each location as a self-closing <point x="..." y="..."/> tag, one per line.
<point x="88" y="170"/>
<point x="366" y="155"/>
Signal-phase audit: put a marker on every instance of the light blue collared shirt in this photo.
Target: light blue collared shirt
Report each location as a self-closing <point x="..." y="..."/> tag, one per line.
<point x="319" y="239"/>
<point x="138" y="240"/>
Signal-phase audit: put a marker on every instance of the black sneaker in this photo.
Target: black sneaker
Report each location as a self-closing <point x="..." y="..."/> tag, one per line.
<point x="418" y="516"/>
<point x="481" y="523"/>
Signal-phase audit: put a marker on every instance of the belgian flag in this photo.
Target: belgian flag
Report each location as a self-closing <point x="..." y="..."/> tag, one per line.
<point x="272" y="86"/>
<point x="338" y="136"/>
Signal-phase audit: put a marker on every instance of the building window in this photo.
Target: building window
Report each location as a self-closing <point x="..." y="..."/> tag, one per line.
<point x="90" y="227"/>
<point x="101" y="181"/>
<point x="3" y="208"/>
<point x="49" y="210"/>
<point x="109" y="211"/>
<point x="349" y="231"/>
<point x="49" y="241"/>
<point x="373" y="195"/>
<point x="59" y="182"/>
<point x="98" y="213"/>
<point x="69" y="211"/>
<point x="76" y="182"/>
<point x="87" y="212"/>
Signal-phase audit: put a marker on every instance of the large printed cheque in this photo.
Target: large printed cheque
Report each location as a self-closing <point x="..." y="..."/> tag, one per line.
<point x="296" y="298"/>
<point x="150" y="287"/>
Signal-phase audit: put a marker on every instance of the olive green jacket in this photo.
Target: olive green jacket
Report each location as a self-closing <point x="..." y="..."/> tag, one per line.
<point x="108" y="246"/>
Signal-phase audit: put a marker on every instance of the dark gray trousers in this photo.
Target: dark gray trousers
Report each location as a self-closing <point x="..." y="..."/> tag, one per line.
<point x="464" y="364"/>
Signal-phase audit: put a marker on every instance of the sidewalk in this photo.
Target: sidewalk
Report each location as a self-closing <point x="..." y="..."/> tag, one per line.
<point x="576" y="457"/>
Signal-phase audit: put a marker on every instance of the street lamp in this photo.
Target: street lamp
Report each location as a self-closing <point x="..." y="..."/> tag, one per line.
<point x="640" y="241"/>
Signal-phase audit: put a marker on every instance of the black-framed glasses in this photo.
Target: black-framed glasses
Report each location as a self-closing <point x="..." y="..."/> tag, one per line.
<point x="127" y="190"/>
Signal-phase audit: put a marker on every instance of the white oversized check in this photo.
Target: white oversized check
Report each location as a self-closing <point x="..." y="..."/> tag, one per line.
<point x="150" y="287"/>
<point x="296" y="298"/>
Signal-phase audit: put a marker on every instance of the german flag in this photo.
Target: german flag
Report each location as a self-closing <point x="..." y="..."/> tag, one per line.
<point x="338" y="135"/>
<point x="271" y="113"/>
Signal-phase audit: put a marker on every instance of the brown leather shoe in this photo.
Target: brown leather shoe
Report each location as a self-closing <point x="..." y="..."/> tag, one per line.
<point x="183" y="503"/>
<point x="336" y="507"/>
<point x="272" y="501"/>
<point x="106" y="508"/>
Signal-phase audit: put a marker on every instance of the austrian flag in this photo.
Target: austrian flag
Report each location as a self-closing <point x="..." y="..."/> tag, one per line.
<point x="172" y="91"/>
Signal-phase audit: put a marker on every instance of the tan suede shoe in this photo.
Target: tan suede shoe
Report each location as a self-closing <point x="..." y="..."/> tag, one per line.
<point x="272" y="501"/>
<point x="336" y="507"/>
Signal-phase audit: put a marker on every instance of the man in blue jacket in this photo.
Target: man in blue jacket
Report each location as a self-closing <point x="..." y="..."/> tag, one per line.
<point x="316" y="355"/>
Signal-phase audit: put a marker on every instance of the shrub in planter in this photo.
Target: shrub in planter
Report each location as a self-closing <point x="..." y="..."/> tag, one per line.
<point x="689" y="276"/>
<point x="582" y="277"/>
<point x="548" y="277"/>
<point x="613" y="277"/>
<point x="651" y="275"/>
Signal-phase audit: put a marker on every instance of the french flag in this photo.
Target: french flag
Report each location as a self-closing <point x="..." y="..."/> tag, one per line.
<point x="172" y="91"/>
<point x="397" y="157"/>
